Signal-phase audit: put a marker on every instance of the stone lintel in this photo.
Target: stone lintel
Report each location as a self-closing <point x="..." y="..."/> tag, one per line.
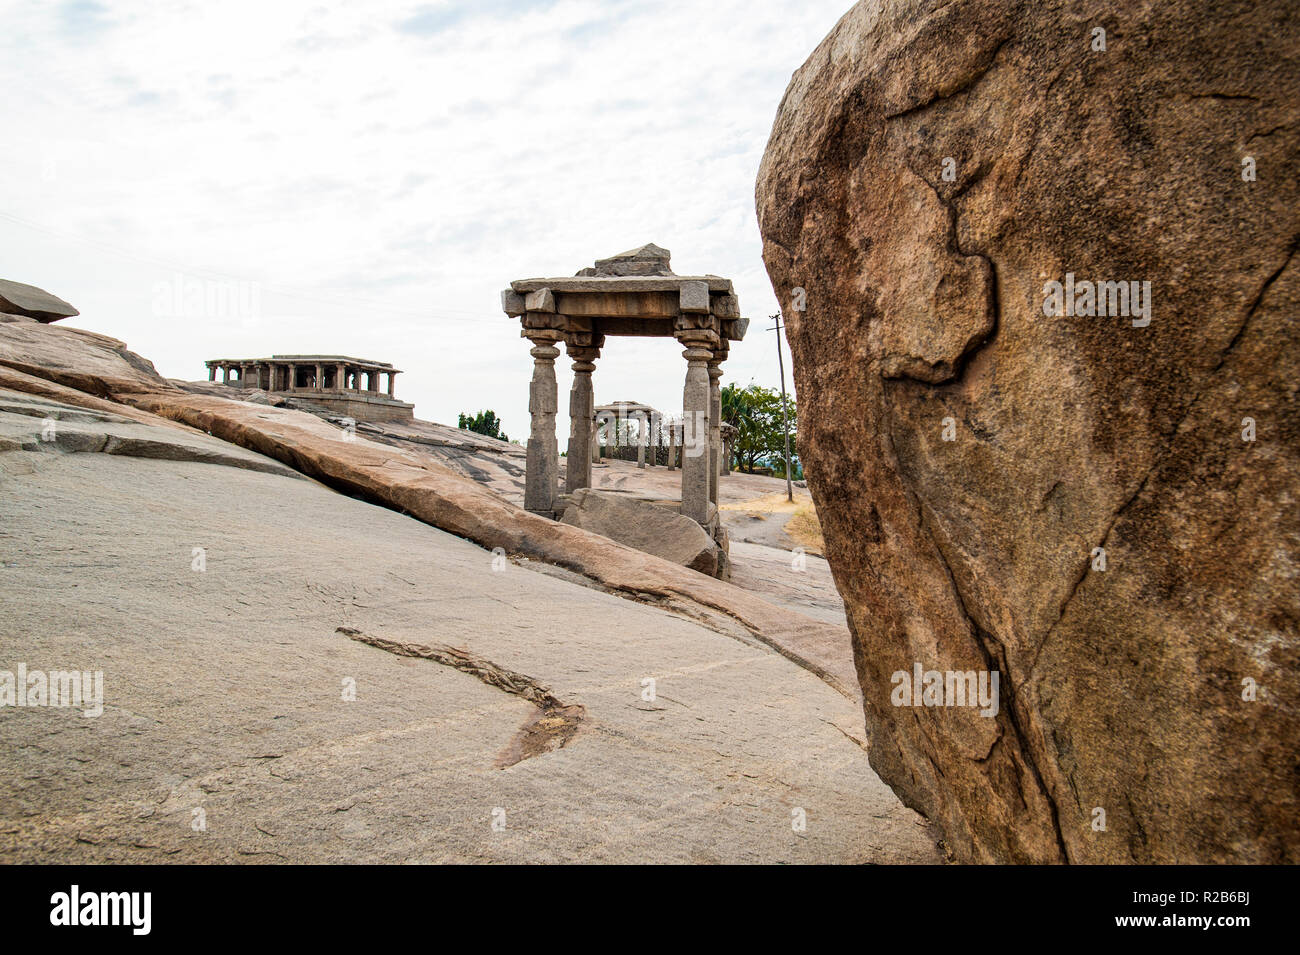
<point x="644" y="304"/>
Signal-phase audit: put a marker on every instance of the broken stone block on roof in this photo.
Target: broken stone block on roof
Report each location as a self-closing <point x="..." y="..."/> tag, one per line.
<point x="649" y="259"/>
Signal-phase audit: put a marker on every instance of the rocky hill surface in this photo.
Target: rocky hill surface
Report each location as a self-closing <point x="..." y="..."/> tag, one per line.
<point x="412" y="670"/>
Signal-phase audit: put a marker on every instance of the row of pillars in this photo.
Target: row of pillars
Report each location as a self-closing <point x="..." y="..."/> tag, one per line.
<point x="701" y="434"/>
<point x="651" y="431"/>
<point x="283" y="376"/>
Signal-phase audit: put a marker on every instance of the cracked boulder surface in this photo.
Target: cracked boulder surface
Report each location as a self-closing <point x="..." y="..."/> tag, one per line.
<point x="338" y="682"/>
<point x="1122" y="689"/>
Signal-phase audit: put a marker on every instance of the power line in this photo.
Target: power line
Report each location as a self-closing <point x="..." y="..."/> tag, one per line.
<point x="785" y="418"/>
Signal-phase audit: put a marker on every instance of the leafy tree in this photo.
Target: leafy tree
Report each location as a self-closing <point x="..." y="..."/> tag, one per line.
<point x="736" y="406"/>
<point x="755" y="412"/>
<point x="485" y="422"/>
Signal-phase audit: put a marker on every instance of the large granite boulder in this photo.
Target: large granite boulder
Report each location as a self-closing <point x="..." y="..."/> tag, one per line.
<point x="17" y="298"/>
<point x="653" y="528"/>
<point x="1099" y="503"/>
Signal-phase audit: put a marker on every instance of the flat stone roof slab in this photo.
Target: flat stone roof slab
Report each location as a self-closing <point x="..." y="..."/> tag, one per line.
<point x="622" y="283"/>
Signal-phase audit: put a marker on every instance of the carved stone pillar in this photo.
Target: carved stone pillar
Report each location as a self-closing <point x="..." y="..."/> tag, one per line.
<point x="391" y="376"/>
<point x="642" y="437"/>
<point x="543" y="462"/>
<point x="715" y="426"/>
<point x="212" y="372"/>
<point x="696" y="461"/>
<point x="582" y="415"/>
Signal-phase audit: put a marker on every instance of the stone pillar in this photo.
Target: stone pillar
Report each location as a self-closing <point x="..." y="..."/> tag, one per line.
<point x="642" y="437"/>
<point x="582" y="416"/>
<point x="225" y="374"/>
<point x="212" y="372"/>
<point x="672" y="447"/>
<point x="391" y="376"/>
<point x="715" y="426"/>
<point x="696" y="461"/>
<point x="541" y="480"/>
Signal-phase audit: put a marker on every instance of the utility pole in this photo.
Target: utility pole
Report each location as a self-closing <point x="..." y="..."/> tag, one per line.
<point x="785" y="417"/>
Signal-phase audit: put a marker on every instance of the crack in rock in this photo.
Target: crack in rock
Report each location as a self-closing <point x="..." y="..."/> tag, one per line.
<point x="552" y="727"/>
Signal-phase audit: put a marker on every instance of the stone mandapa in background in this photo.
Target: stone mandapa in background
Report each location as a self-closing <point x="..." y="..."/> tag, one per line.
<point x="1122" y="688"/>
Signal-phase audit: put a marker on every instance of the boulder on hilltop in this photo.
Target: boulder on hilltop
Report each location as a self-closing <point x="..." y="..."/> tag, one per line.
<point x="1040" y="276"/>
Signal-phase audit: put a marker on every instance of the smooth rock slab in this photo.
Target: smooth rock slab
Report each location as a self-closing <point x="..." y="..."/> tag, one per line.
<point x="224" y="692"/>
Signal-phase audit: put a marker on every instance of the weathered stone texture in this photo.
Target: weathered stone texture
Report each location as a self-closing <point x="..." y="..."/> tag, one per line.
<point x="1121" y="689"/>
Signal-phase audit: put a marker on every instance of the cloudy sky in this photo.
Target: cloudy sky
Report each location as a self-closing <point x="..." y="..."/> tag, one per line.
<point x="364" y="178"/>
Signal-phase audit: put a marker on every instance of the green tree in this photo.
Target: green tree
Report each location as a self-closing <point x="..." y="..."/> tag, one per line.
<point x="755" y="412"/>
<point x="736" y="406"/>
<point x="485" y="422"/>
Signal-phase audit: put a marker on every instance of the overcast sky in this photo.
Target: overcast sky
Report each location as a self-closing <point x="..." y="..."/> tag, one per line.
<point x="366" y="177"/>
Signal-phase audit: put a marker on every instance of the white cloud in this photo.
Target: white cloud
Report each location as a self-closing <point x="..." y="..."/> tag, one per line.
<point x="383" y="170"/>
